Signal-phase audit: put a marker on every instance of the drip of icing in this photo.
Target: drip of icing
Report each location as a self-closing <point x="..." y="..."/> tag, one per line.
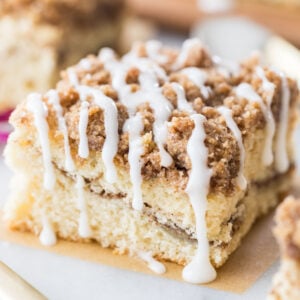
<point x="53" y="99"/>
<point x="226" y="67"/>
<point x="134" y="126"/>
<point x="182" y="103"/>
<point x="85" y="64"/>
<point x="84" y="229"/>
<point x="153" y="264"/>
<point x="72" y="77"/>
<point x="40" y="111"/>
<point x="282" y="161"/>
<point x="150" y="92"/>
<point x="227" y="115"/>
<point x="83" y="148"/>
<point x="152" y="48"/>
<point x="110" y="146"/>
<point x="198" y="77"/>
<point x="47" y="236"/>
<point x="199" y="270"/>
<point x="245" y="90"/>
<point x="269" y="88"/>
<point x="186" y="49"/>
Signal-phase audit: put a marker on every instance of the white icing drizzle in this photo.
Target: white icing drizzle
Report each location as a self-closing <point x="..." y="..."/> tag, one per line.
<point x="227" y="115"/>
<point x="199" y="270"/>
<point x="245" y="90"/>
<point x="40" y="111"/>
<point x="110" y="146"/>
<point x="226" y="67"/>
<point x="182" y="103"/>
<point x="85" y="64"/>
<point x="72" y="77"/>
<point x="150" y="92"/>
<point x="53" y="99"/>
<point x="84" y="229"/>
<point x="282" y="160"/>
<point x="269" y="88"/>
<point x="186" y="49"/>
<point x="153" y="264"/>
<point x="198" y="77"/>
<point x="47" y="236"/>
<point x="134" y="127"/>
<point x="83" y="148"/>
<point x="153" y="48"/>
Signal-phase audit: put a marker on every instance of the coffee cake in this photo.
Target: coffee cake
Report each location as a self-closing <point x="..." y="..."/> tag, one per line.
<point x="162" y="153"/>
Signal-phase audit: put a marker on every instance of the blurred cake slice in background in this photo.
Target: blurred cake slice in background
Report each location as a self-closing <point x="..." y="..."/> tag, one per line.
<point x="286" y="283"/>
<point x="38" y="38"/>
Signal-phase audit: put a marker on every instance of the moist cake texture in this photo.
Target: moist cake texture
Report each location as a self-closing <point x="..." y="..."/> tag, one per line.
<point x="286" y="283"/>
<point x="162" y="153"/>
<point x="39" y="38"/>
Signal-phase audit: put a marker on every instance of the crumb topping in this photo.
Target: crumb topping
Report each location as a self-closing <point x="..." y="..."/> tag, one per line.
<point x="219" y="84"/>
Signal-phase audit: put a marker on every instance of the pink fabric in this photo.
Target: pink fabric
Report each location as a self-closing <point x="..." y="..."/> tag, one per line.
<point x="5" y="128"/>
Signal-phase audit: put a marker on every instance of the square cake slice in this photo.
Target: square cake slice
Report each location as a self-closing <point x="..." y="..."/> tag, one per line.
<point x="163" y="153"/>
<point x="286" y="283"/>
<point x="39" y="38"/>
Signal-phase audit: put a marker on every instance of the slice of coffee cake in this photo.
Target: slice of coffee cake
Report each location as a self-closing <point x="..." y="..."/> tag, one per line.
<point x="160" y="153"/>
<point x="39" y="38"/>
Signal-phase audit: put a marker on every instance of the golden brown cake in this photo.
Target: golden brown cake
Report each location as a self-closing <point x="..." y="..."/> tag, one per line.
<point x="39" y="38"/>
<point x="162" y="153"/>
<point x="286" y="283"/>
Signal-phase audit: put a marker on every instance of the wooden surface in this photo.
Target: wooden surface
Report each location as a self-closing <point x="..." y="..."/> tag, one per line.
<point x="182" y="14"/>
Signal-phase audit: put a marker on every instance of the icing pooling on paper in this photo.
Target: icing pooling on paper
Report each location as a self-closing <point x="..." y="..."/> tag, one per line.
<point x="47" y="236"/>
<point x="200" y="269"/>
<point x="40" y="111"/>
<point x="153" y="264"/>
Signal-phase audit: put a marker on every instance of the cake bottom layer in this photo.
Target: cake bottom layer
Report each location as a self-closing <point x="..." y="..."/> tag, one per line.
<point x="113" y="223"/>
<point x="286" y="283"/>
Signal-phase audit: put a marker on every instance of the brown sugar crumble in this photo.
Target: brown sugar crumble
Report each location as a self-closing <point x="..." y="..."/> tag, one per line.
<point x="223" y="149"/>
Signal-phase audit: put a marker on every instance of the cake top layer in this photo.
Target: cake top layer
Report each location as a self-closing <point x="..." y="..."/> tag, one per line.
<point x="61" y="11"/>
<point x="158" y="90"/>
<point x="287" y="230"/>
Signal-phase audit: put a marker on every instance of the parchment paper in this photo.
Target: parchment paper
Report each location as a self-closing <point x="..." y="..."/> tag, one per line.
<point x="256" y="254"/>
